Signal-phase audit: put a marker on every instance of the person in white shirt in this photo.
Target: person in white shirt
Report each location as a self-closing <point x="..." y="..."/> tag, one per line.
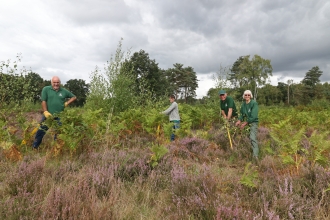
<point x="174" y="117"/>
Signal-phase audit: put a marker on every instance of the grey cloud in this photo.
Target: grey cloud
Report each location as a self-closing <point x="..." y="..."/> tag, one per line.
<point x="197" y="32"/>
<point x="72" y="37"/>
<point x="90" y="12"/>
<point x="195" y="16"/>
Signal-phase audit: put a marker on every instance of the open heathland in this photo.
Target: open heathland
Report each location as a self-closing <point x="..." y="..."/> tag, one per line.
<point x="123" y="166"/>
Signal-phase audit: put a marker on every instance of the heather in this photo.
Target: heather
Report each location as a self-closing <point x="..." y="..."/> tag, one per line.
<point x="123" y="166"/>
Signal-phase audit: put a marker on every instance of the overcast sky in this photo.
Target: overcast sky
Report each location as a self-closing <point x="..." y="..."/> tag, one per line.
<point x="69" y="38"/>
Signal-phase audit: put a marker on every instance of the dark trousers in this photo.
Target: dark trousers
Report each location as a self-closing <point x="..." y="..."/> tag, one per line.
<point x="42" y="131"/>
<point x="175" y="127"/>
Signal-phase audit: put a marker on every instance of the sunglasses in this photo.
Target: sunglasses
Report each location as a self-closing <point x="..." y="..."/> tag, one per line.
<point x="247" y="95"/>
<point x="222" y="94"/>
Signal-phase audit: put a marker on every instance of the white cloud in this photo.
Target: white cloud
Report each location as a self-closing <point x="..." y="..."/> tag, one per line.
<point x="205" y="82"/>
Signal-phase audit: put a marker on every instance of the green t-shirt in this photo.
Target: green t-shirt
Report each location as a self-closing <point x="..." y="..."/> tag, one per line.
<point x="55" y="99"/>
<point x="227" y="104"/>
<point x="249" y="112"/>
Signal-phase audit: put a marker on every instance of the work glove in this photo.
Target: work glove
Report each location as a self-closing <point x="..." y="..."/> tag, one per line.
<point x="66" y="104"/>
<point x="47" y="114"/>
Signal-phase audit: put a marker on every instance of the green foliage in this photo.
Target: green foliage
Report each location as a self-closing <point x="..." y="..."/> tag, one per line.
<point x="183" y="81"/>
<point x="250" y="176"/>
<point x="148" y="118"/>
<point x="288" y="139"/>
<point x="112" y="90"/>
<point x="319" y="149"/>
<point x="250" y="74"/>
<point x="8" y="130"/>
<point x="4" y="133"/>
<point x="270" y="95"/>
<point x="119" y="88"/>
<point x="201" y="116"/>
<point x="148" y="76"/>
<point x="192" y="115"/>
<point x="283" y="94"/>
<point x="131" y="120"/>
<point x="312" y="77"/>
<point x="37" y="85"/>
<point x="153" y="119"/>
<point x="158" y="152"/>
<point x="289" y="133"/>
<point x="78" y="129"/>
<point x="221" y="78"/>
<point x="15" y="126"/>
<point x="17" y="86"/>
<point x="79" y="88"/>
<point x="320" y="104"/>
<point x="186" y="122"/>
<point x="97" y="97"/>
<point x="168" y="128"/>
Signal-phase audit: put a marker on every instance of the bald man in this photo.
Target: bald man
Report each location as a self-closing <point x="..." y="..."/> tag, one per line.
<point x="54" y="99"/>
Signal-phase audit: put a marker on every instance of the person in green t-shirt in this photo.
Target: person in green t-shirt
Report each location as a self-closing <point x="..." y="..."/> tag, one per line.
<point x="53" y="101"/>
<point x="227" y="105"/>
<point x="249" y="116"/>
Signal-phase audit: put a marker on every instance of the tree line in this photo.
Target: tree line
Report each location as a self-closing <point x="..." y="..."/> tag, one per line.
<point x="18" y="86"/>
<point x="21" y="85"/>
<point x="254" y="74"/>
<point x="129" y="80"/>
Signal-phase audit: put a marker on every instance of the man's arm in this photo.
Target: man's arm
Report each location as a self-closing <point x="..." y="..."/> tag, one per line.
<point x="223" y="114"/>
<point x="44" y="106"/>
<point x="231" y="105"/>
<point x="45" y="110"/>
<point x="168" y="111"/>
<point x="70" y="101"/>
<point x="230" y="113"/>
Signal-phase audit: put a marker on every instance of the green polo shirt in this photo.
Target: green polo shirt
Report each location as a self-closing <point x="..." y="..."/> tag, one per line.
<point x="249" y="112"/>
<point x="228" y="103"/>
<point x="55" y="99"/>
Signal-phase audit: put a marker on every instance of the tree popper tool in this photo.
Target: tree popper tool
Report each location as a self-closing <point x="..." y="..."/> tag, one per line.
<point x="27" y="137"/>
<point x="158" y="134"/>
<point x="231" y="144"/>
<point x="158" y="131"/>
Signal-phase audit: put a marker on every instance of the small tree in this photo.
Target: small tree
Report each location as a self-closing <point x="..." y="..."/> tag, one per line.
<point x="221" y="78"/>
<point x="290" y="82"/>
<point x="183" y="81"/>
<point x="220" y="82"/>
<point x="312" y="77"/>
<point x="112" y="90"/>
<point x="250" y="74"/>
<point x="149" y="78"/>
<point x="310" y="82"/>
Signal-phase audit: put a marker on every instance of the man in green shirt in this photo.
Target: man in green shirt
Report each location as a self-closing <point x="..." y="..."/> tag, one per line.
<point x="53" y="101"/>
<point x="227" y="105"/>
<point x="249" y="114"/>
